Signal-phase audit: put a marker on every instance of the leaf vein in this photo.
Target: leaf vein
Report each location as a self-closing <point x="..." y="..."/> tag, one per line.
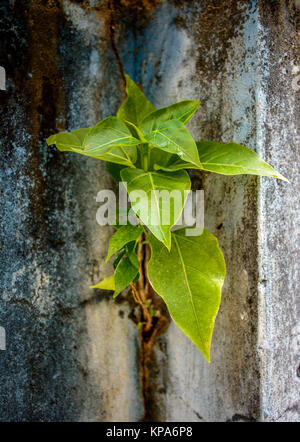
<point x="188" y="287"/>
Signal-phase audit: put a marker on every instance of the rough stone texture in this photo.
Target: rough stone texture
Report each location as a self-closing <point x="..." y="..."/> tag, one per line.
<point x="69" y="356"/>
<point x="278" y="139"/>
<point x="74" y="355"/>
<point x="193" y="389"/>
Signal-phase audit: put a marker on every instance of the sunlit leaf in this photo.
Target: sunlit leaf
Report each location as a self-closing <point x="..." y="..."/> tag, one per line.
<point x="189" y="278"/>
<point x="67" y="141"/>
<point x="226" y="159"/>
<point x="136" y="107"/>
<point x="172" y="136"/>
<point x="107" y="284"/>
<point x="123" y="236"/>
<point x="81" y="134"/>
<point x="154" y="202"/>
<point x="109" y="140"/>
<point x="181" y="111"/>
<point x="125" y="273"/>
<point x="108" y="133"/>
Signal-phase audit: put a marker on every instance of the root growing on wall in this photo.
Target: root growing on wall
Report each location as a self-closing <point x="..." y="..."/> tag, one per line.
<point x="152" y="321"/>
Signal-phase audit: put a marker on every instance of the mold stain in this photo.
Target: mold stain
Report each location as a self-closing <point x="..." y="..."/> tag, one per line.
<point x="213" y="26"/>
<point x="44" y="92"/>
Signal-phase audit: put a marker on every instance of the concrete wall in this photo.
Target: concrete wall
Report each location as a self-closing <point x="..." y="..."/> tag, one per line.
<point x="76" y="355"/>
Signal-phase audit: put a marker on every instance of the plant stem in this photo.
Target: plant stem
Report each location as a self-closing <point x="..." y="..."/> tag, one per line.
<point x="146" y="156"/>
<point x="139" y="290"/>
<point x="146" y="314"/>
<point x="145" y="162"/>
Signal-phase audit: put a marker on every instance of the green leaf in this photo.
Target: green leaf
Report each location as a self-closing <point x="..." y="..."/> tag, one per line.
<point x="182" y="111"/>
<point x="68" y="141"/>
<point x="171" y="163"/>
<point x="134" y="260"/>
<point x="156" y="188"/>
<point x="119" y="257"/>
<point x="189" y="278"/>
<point x="140" y="325"/>
<point x="108" y="133"/>
<point x="81" y="133"/>
<point x="172" y="136"/>
<point x="136" y="132"/>
<point x="227" y="159"/>
<point x="110" y="140"/>
<point x="233" y="159"/>
<point x="136" y="107"/>
<point x="160" y="157"/>
<point x="107" y="284"/>
<point x="125" y="273"/>
<point x="123" y="236"/>
<point x="125" y="155"/>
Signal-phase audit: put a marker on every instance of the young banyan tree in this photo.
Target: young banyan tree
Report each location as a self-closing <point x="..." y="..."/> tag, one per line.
<point x="150" y="150"/>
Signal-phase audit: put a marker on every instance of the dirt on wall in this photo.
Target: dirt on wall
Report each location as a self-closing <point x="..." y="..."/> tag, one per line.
<point x="77" y="355"/>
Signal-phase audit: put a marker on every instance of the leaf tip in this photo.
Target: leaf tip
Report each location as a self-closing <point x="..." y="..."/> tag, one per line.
<point x="281" y="177"/>
<point x="206" y="355"/>
<point x="51" y="140"/>
<point x="106" y="284"/>
<point x="168" y="243"/>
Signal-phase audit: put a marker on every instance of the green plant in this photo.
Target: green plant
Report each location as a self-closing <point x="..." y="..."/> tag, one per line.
<point x="150" y="150"/>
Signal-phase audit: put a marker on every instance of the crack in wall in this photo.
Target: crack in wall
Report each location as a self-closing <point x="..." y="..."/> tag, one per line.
<point x="150" y="332"/>
<point x="112" y="30"/>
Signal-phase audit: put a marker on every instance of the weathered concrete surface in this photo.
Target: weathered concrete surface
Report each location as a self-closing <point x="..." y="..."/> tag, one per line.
<point x="278" y="140"/>
<point x="70" y="356"/>
<point x="74" y="355"/>
<point x="223" y="76"/>
<point x="219" y="54"/>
